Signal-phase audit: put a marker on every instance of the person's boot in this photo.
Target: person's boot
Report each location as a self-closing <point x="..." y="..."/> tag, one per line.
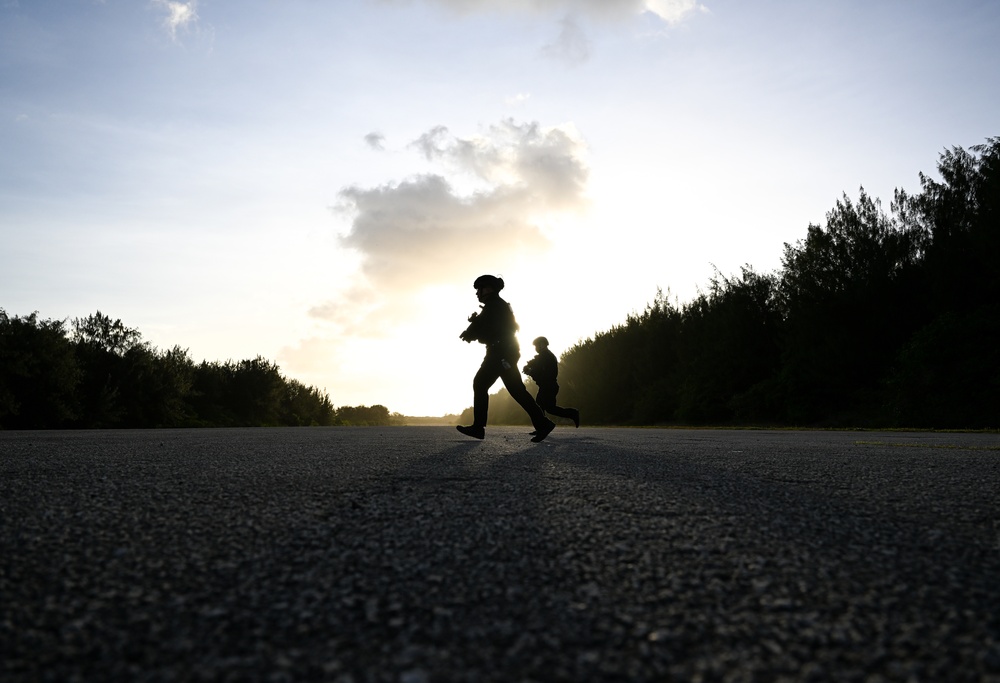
<point x="576" y="417"/>
<point x="533" y="432"/>
<point x="473" y="431"/>
<point x="543" y="430"/>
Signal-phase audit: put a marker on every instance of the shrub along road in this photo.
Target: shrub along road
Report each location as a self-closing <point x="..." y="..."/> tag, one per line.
<point x="413" y="554"/>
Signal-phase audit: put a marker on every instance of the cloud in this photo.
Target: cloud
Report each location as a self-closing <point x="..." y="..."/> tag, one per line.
<point x="179" y="15"/>
<point x="430" y="143"/>
<point x="423" y="232"/>
<point x="571" y="46"/>
<point x="411" y="232"/>
<point x="518" y="99"/>
<point x="545" y="166"/>
<point x="671" y="11"/>
<point x="375" y="140"/>
<point x="674" y="11"/>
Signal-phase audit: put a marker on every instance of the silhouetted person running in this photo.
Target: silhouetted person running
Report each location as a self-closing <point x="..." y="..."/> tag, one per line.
<point x="495" y="327"/>
<point x="544" y="368"/>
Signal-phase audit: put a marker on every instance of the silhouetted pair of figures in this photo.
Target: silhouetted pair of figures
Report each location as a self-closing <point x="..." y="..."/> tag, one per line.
<point x="494" y="325"/>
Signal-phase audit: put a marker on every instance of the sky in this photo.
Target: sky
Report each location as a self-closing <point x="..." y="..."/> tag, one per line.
<point x="319" y="182"/>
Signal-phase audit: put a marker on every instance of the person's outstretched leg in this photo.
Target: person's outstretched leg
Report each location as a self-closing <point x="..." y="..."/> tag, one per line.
<point x="571" y="413"/>
<point x="484" y="379"/>
<point x="547" y="400"/>
<point x="515" y="387"/>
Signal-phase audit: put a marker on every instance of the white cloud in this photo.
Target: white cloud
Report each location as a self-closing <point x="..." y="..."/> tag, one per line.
<point x="423" y="232"/>
<point x="671" y="11"/>
<point x="518" y="99"/>
<point x="674" y="11"/>
<point x="179" y="15"/>
<point x="411" y="233"/>
<point x="547" y="163"/>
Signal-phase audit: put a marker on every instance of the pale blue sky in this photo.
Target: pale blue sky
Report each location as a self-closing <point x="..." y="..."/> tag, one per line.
<point x="248" y="181"/>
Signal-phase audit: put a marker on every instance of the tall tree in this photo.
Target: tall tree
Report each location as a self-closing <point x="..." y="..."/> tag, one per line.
<point x="948" y="374"/>
<point x="39" y="373"/>
<point x="959" y="217"/>
<point x="840" y="292"/>
<point x="729" y="344"/>
<point x="305" y="406"/>
<point x="256" y="392"/>
<point x="101" y="347"/>
<point x="154" y="387"/>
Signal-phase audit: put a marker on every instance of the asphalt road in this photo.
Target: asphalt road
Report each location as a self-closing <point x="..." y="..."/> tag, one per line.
<point x="416" y="555"/>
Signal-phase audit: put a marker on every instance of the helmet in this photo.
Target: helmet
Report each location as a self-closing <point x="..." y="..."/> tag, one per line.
<point x="540" y="341"/>
<point x="488" y="281"/>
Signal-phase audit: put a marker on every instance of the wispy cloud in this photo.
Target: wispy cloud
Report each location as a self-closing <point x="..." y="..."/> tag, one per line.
<point x="180" y="16"/>
<point x="375" y="141"/>
<point x="571" y="46"/>
<point x="518" y="99"/>
<point x="671" y="11"/>
<point x="423" y="232"/>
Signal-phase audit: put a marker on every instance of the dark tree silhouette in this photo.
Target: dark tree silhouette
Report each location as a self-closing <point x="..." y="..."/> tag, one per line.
<point x="948" y="374"/>
<point x="101" y="348"/>
<point x="729" y="344"/>
<point x="102" y="374"/>
<point x="364" y="416"/>
<point x="38" y="373"/>
<point x="842" y="293"/>
<point x="303" y="406"/>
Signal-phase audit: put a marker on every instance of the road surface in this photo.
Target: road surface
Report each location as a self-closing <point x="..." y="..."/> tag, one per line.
<point x="414" y="555"/>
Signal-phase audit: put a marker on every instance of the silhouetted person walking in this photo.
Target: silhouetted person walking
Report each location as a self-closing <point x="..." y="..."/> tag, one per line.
<point x="544" y="368"/>
<point x="495" y="327"/>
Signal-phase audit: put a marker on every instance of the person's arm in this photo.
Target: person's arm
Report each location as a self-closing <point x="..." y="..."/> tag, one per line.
<point x="471" y="333"/>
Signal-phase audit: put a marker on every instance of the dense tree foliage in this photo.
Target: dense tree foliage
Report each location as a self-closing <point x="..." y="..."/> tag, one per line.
<point x="365" y="416"/>
<point x="39" y="373"/>
<point x="101" y="374"/>
<point x="873" y="319"/>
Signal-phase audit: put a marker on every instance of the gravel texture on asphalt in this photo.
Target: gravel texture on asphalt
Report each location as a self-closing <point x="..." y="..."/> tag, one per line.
<point x="414" y="555"/>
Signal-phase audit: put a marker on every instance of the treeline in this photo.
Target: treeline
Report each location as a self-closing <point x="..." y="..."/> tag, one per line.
<point x="873" y="320"/>
<point x="98" y="373"/>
